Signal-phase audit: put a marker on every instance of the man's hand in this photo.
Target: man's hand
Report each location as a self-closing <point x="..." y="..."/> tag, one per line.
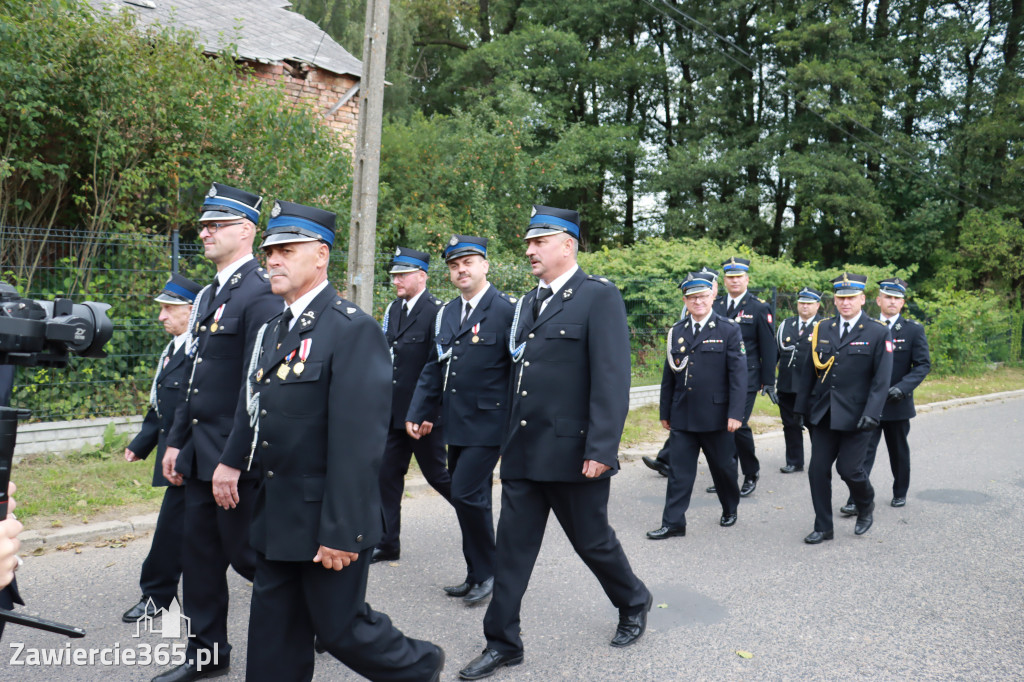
<point x="334" y="559"/>
<point x="593" y="469"/>
<point x="417" y="431"/>
<point x="769" y="391"/>
<point x="867" y="423"/>
<point x="896" y="395"/>
<point x="170" y="459"/>
<point x="9" y="546"/>
<point x="130" y="456"/>
<point x="733" y="424"/>
<point x="225" y="486"/>
<point x="665" y="424"/>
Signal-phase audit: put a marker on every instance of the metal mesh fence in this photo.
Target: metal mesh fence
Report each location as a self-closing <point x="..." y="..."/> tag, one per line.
<point x="44" y="264"/>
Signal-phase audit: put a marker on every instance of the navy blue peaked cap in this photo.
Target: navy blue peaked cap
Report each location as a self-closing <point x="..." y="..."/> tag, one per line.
<point x="179" y="290"/>
<point x="230" y="203"/>
<point x="409" y="260"/>
<point x="463" y="245"/>
<point x="545" y="220"/>
<point x="291" y="222"/>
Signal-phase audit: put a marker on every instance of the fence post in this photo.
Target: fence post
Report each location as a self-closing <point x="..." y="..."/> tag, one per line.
<point x="174" y="250"/>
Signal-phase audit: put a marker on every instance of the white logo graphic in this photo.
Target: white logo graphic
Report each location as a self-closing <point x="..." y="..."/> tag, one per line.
<point x="171" y="620"/>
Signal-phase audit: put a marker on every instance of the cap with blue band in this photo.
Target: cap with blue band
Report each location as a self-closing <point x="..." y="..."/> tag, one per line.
<point x="223" y="202"/>
<point x="893" y="286"/>
<point x="808" y="295"/>
<point x="695" y="283"/>
<point x="291" y="223"/>
<point x="849" y="284"/>
<point x="179" y="290"/>
<point x="734" y="267"/>
<point x="547" y="220"/>
<point x="409" y="260"/>
<point x="463" y="245"/>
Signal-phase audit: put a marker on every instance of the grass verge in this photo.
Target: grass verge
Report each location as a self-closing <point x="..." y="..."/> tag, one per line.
<point x="97" y="484"/>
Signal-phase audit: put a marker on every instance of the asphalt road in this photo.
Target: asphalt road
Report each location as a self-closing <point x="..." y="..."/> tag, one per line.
<point x="932" y="592"/>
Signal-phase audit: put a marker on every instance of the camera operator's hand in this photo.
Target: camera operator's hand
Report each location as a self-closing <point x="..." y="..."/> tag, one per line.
<point x="130" y="456"/>
<point x="9" y="546"/>
<point x="170" y="458"/>
<point x="225" y="486"/>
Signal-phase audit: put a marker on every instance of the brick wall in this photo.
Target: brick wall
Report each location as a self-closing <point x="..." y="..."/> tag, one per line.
<point x="319" y="90"/>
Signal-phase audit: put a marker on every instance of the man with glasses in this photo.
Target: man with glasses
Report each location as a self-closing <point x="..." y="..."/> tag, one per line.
<point x="409" y="329"/>
<point x="210" y="442"/>
<point x="703" y="389"/>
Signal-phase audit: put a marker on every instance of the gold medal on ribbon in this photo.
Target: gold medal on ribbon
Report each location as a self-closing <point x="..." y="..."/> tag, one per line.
<point x="282" y="371"/>
<point x="214" y="327"/>
<point x="299" y="366"/>
<point x="259" y="374"/>
<point x="476" y="339"/>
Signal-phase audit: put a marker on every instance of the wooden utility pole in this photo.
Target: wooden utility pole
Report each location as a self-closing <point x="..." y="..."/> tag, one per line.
<point x="366" y="173"/>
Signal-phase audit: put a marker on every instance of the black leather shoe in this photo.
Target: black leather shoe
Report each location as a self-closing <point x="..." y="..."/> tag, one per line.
<point x="318" y="646"/>
<point x="749" y="484"/>
<point x="145" y="607"/>
<point x="656" y="465"/>
<point x="899" y="502"/>
<point x="666" y="532"/>
<point x="488" y="663"/>
<point x="189" y="671"/>
<point x="711" y="489"/>
<point x="818" y="536"/>
<point x="436" y="677"/>
<point x="384" y="555"/>
<point x="848" y="509"/>
<point x="790" y="469"/>
<point x="479" y="592"/>
<point x="458" y="590"/>
<point x="630" y="628"/>
<point x="727" y="520"/>
<point x="864" y="520"/>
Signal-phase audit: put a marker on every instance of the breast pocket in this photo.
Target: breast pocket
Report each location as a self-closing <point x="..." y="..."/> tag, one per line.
<point x="301" y="396"/>
<point x="562" y="342"/>
<point x="485" y="338"/>
<point x="568" y="332"/>
<point x="861" y="352"/>
<point x="223" y="343"/>
<point x="712" y="347"/>
<point x="413" y="337"/>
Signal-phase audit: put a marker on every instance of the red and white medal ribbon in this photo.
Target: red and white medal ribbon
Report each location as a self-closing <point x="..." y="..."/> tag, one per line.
<point x="304" y="349"/>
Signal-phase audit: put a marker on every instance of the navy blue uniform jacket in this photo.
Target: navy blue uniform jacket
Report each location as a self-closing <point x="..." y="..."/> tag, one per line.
<point x="158" y="421"/>
<point x="211" y="425"/>
<point x="911" y="363"/>
<point x="571" y="388"/>
<point x="791" y="361"/>
<point x="858" y="382"/>
<point x="321" y="433"/>
<point x="411" y="345"/>
<point x="754" y="318"/>
<point x="712" y="387"/>
<point x="475" y="401"/>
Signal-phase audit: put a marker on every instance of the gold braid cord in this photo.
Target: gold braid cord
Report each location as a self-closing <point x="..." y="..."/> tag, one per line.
<point x="818" y="364"/>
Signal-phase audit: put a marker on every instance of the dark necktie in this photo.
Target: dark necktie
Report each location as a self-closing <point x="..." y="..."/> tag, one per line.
<point x="282" y="328"/>
<point x="403" y="314"/>
<point x="466" y="310"/>
<point x="846" y="330"/>
<point x="542" y="295"/>
<point x="208" y="300"/>
<point x="696" y="329"/>
<point x="732" y="308"/>
<point x="803" y="328"/>
<point x="887" y="323"/>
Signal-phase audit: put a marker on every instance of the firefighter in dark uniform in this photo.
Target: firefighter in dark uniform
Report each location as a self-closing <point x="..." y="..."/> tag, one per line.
<point x="755" y="320"/>
<point x="911" y="363"/>
<point x="703" y="390"/>
<point x="660" y="463"/>
<point x="319" y="395"/>
<point x="843" y="386"/>
<point x="570" y="396"/>
<point x="468" y="372"/>
<point x="162" y="568"/>
<point x="409" y="328"/>
<point x="210" y="440"/>
<point x="794" y="338"/>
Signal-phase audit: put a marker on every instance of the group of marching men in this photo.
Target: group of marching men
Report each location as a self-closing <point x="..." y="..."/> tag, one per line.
<point x="849" y="379"/>
<point x="285" y="419"/>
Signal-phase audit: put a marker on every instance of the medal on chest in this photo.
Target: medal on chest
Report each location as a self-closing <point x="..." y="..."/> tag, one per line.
<point x="303" y="355"/>
<point x="476" y="332"/>
<point x="216" y="318"/>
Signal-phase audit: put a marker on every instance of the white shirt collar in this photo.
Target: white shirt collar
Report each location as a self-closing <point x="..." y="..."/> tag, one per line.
<point x="853" y="322"/>
<point x="411" y="303"/>
<point x="302" y="302"/>
<point x="475" y="301"/>
<point x="561" y="280"/>
<point x="178" y="340"/>
<point x="224" y="275"/>
<point x="737" y="299"/>
<point x="693" y="320"/>
<point x="890" y="320"/>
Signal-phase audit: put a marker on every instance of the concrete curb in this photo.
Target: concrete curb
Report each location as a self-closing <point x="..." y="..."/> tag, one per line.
<point x="417" y="485"/>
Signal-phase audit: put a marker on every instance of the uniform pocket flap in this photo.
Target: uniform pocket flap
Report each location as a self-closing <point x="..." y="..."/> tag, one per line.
<point x="564" y="331"/>
<point x="310" y="372"/>
<point x="570" y="428"/>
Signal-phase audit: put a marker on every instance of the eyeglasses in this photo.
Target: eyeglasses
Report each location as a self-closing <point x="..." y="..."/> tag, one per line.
<point x="213" y="227"/>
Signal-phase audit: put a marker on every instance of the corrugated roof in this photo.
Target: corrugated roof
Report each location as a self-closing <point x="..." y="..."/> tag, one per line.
<point x="262" y="30"/>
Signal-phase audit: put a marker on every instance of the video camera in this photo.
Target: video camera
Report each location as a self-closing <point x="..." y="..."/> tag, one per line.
<point x="45" y="332"/>
<point x="42" y="333"/>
